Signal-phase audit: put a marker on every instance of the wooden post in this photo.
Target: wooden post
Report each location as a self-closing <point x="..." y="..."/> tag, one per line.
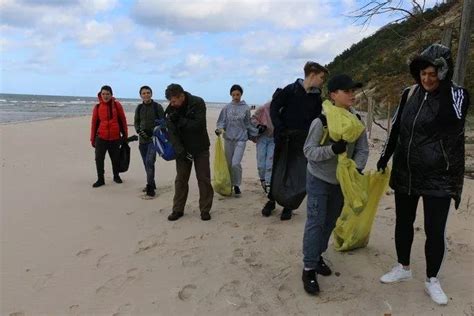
<point x="370" y="109"/>
<point x="389" y="120"/>
<point x="464" y="39"/>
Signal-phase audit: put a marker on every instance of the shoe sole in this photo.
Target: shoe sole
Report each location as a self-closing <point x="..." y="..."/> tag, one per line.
<point x="428" y="293"/>
<point x="397" y="281"/>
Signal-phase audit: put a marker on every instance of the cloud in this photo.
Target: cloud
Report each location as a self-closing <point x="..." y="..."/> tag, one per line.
<point x="95" y="33"/>
<point x="228" y="15"/>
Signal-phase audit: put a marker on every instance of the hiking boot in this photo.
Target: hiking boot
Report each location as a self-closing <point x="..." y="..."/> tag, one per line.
<point x="322" y="268"/>
<point x="310" y="282"/>
<point x="98" y="183"/>
<point x="264" y="185"/>
<point x="286" y="214"/>
<point x="146" y="186"/>
<point x="434" y="290"/>
<point x="117" y="179"/>
<point x="268" y="208"/>
<point x="205" y="216"/>
<point x="175" y="216"/>
<point x="397" y="274"/>
<point x="237" y="190"/>
<point x="149" y="190"/>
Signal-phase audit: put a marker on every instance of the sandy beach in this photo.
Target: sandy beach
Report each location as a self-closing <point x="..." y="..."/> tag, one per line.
<point x="70" y="249"/>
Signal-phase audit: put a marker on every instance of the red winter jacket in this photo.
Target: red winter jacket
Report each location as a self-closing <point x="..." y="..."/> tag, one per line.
<point x="108" y="121"/>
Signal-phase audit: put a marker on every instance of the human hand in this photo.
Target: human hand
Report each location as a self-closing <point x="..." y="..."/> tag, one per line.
<point x="339" y="147"/>
<point x="381" y="165"/>
<point x="261" y="128"/>
<point x="219" y="131"/>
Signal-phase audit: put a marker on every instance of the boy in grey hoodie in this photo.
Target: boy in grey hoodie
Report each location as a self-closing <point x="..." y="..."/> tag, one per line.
<point x="234" y="119"/>
<point x="325" y="199"/>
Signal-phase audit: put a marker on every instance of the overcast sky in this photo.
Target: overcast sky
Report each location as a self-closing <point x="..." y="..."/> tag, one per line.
<point x="72" y="47"/>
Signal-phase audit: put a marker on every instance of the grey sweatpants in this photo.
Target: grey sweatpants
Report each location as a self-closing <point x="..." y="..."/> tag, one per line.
<point x="234" y="152"/>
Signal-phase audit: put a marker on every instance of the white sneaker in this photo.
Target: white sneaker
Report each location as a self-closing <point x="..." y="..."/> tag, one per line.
<point x="396" y="275"/>
<point x="434" y="290"/>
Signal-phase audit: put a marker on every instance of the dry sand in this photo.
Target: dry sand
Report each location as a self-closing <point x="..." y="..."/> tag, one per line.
<point x="69" y="249"/>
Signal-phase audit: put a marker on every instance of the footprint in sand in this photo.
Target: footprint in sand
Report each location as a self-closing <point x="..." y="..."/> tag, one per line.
<point x="17" y="314"/>
<point x="74" y="309"/>
<point x="230" y="292"/>
<point x="190" y="260"/>
<point x="42" y="281"/>
<point x="102" y="260"/>
<point x="248" y="239"/>
<point x="150" y="242"/>
<point x="118" y="283"/>
<point x="83" y="252"/>
<point x="285" y="294"/>
<point x="251" y="260"/>
<point x="124" y="310"/>
<point x="186" y="292"/>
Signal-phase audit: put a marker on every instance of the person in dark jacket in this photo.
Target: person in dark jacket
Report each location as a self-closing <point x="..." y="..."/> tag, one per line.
<point x="145" y="116"/>
<point x="292" y="110"/>
<point x="427" y="140"/>
<point x="108" y="130"/>
<point x="186" y="119"/>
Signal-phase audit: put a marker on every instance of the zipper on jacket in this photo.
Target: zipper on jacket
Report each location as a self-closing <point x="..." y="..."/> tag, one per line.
<point x="444" y="154"/>
<point x="411" y="139"/>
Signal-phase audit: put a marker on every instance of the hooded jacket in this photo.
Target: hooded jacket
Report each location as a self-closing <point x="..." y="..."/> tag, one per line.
<point x="108" y="120"/>
<point x="234" y="118"/>
<point x="295" y="109"/>
<point x="262" y="117"/>
<point x="427" y="136"/>
<point x="188" y="133"/>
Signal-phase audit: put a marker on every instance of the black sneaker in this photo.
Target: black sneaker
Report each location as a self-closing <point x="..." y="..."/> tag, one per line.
<point x="146" y="186"/>
<point x="117" y="179"/>
<point x="286" y="214"/>
<point x="323" y="268"/>
<point x="98" y="183"/>
<point x="310" y="282"/>
<point x="175" y="216"/>
<point x="237" y="190"/>
<point x="268" y="208"/>
<point x="205" y="216"/>
<point x="150" y="191"/>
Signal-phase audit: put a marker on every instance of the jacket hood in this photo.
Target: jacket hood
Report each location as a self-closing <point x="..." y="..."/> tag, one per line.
<point x="436" y="55"/>
<point x="102" y="101"/>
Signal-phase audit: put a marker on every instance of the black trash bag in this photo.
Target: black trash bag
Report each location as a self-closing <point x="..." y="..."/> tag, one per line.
<point x="124" y="160"/>
<point x="288" y="185"/>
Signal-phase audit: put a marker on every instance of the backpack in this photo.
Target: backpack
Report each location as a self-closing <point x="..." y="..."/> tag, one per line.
<point x="161" y="141"/>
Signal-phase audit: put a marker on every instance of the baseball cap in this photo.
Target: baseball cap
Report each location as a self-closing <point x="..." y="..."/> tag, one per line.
<point x="342" y="82"/>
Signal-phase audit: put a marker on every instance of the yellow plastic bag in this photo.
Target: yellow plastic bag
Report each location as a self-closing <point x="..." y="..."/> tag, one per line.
<point x="354" y="186"/>
<point x="221" y="181"/>
<point x="342" y="124"/>
<point x="353" y="229"/>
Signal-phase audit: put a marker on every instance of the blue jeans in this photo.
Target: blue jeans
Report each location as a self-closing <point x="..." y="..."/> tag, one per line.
<point x="148" y="153"/>
<point x="265" y="148"/>
<point x="325" y="202"/>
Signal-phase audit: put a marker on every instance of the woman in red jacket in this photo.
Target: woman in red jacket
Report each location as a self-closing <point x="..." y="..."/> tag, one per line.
<point x="108" y="129"/>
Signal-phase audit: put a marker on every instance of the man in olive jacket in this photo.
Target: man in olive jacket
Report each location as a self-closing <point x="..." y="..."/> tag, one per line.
<point x="186" y="119"/>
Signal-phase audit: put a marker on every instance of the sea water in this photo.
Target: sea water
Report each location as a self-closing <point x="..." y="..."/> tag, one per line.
<point x="23" y="107"/>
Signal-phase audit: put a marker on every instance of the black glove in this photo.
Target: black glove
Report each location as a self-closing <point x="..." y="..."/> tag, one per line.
<point x="143" y="133"/>
<point x="261" y="128"/>
<point x="381" y="165"/>
<point x="339" y="147"/>
<point x="218" y="131"/>
<point x="173" y="116"/>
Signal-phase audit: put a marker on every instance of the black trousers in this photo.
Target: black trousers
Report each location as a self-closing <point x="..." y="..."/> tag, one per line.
<point x="101" y="148"/>
<point x="436" y="214"/>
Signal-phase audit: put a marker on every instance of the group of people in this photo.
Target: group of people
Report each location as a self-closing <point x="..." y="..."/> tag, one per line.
<point x="426" y="140"/>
